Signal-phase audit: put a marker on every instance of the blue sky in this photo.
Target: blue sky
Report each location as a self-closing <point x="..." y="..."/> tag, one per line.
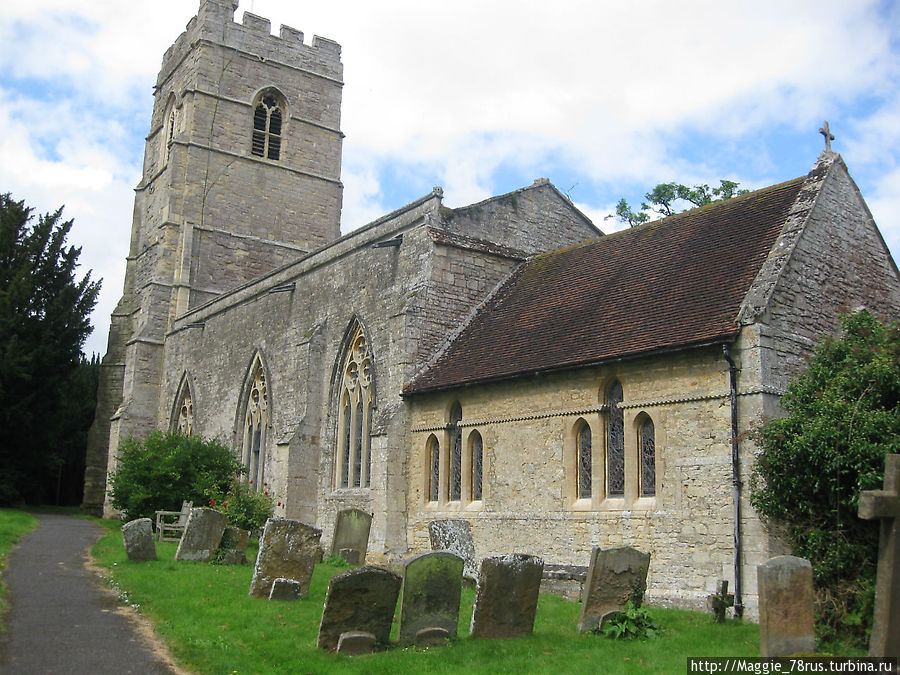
<point x="605" y="99"/>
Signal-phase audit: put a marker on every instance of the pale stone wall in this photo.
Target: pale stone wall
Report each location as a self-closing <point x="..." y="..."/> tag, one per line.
<point x="529" y="501"/>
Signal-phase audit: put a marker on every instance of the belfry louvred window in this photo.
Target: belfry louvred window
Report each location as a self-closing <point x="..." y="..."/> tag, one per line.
<point x="268" y="116"/>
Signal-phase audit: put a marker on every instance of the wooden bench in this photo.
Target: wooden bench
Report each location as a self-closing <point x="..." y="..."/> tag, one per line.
<point x="170" y="524"/>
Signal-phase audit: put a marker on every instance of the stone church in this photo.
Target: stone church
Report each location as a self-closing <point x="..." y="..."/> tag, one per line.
<point x="504" y="363"/>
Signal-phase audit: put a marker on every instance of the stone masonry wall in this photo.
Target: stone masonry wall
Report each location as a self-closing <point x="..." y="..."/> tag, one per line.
<point x="529" y="501"/>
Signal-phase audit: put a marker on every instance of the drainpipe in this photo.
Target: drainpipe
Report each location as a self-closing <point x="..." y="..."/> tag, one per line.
<point x="735" y="483"/>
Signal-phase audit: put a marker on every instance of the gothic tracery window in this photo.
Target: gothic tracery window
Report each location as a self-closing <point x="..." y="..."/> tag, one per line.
<point x="584" y="459"/>
<point x="615" y="445"/>
<point x="268" y="115"/>
<point x="256" y="420"/>
<point x="183" y="417"/>
<point x="355" y="416"/>
<point x="455" y="433"/>
<point x="647" y="456"/>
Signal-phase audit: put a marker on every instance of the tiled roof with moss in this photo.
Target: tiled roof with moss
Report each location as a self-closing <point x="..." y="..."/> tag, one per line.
<point x="669" y="284"/>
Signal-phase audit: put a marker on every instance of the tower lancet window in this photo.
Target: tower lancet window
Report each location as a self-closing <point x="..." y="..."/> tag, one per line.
<point x="268" y="115"/>
<point x="354" y="455"/>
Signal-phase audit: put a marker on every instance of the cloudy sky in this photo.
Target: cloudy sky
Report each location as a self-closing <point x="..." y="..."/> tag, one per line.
<point x="604" y="98"/>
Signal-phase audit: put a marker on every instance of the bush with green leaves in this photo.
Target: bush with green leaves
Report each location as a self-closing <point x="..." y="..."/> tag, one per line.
<point x="842" y="417"/>
<point x="245" y="506"/>
<point x="165" y="469"/>
<point x="632" y="623"/>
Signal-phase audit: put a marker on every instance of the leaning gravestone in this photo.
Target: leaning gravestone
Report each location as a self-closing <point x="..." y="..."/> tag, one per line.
<point x="359" y="600"/>
<point x="233" y="547"/>
<point x="429" y="597"/>
<point x="202" y="535"/>
<point x="137" y="536"/>
<point x="506" y="596"/>
<point x="785" y="586"/>
<point x="351" y="536"/>
<point x="455" y="536"/>
<point x="286" y="589"/>
<point x="614" y="577"/>
<point x="884" y="505"/>
<point x="287" y="549"/>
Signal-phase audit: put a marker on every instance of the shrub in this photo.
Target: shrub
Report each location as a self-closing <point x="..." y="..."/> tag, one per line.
<point x="633" y="623"/>
<point x="165" y="469"/>
<point x="245" y="507"/>
<point x="843" y="416"/>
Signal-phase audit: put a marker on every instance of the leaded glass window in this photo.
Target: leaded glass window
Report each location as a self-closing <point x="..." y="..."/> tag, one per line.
<point x="455" y="490"/>
<point x="267" y="120"/>
<point x="434" y="471"/>
<point x="183" y="419"/>
<point x="354" y="455"/>
<point x="615" y="446"/>
<point x="256" y="420"/>
<point x="647" y="440"/>
<point x="477" y="446"/>
<point x="585" y="472"/>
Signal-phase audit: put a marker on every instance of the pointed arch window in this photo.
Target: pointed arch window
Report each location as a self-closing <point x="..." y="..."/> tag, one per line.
<point x="584" y="459"/>
<point x="434" y="468"/>
<point x="170" y="133"/>
<point x="183" y="413"/>
<point x="615" y="445"/>
<point x="647" y="456"/>
<point x="354" y="455"/>
<point x="455" y="433"/>
<point x="256" y="422"/>
<point x="476" y="449"/>
<point x="268" y="118"/>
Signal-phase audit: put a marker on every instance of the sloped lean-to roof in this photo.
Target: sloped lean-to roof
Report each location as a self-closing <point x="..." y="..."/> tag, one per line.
<point x="669" y="284"/>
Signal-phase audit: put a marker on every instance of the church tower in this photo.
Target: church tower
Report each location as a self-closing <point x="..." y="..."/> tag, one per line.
<point x="241" y="175"/>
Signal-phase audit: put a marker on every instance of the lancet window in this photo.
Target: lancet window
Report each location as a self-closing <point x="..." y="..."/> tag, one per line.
<point x="584" y="459"/>
<point x="647" y="456"/>
<point x="256" y="422"/>
<point x="476" y="462"/>
<point x="455" y="434"/>
<point x="268" y="116"/>
<point x="354" y="457"/>
<point x="434" y="468"/>
<point x="615" y="444"/>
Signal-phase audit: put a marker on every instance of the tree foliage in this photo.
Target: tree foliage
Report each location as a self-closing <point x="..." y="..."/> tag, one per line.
<point x="165" y="469"/>
<point x="843" y="416"/>
<point x="667" y="199"/>
<point x="44" y="321"/>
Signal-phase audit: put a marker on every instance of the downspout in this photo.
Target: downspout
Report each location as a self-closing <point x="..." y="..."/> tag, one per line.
<point x="735" y="483"/>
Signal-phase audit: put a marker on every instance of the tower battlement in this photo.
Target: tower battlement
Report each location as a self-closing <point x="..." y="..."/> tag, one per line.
<point x="215" y="23"/>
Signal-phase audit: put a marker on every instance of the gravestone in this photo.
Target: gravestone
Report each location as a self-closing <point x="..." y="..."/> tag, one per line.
<point x="455" y="536"/>
<point x="286" y="589"/>
<point x="351" y="535"/>
<point x="137" y="536"/>
<point x="885" y="506"/>
<point x="785" y="586"/>
<point x="287" y="549"/>
<point x="362" y="599"/>
<point x="506" y="596"/>
<point x="233" y="547"/>
<point x="356" y="643"/>
<point x="429" y="596"/>
<point x="202" y="535"/>
<point x="719" y="602"/>
<point x="614" y="577"/>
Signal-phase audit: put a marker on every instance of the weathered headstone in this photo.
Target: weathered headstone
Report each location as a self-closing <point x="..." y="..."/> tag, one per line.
<point x="785" y="586"/>
<point x="719" y="602"/>
<point x="614" y="577"/>
<point x="286" y="589"/>
<point x="137" y="536"/>
<point x="429" y="596"/>
<point x="455" y="536"/>
<point x="351" y="535"/>
<point x="356" y="643"/>
<point x="287" y="549"/>
<point x="362" y="599"/>
<point x="233" y="547"/>
<point x="506" y="596"/>
<point x="202" y="535"/>
<point x="885" y="505"/>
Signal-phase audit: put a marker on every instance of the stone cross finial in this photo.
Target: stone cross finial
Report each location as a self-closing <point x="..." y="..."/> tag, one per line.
<point x="884" y="505"/>
<point x="826" y="132"/>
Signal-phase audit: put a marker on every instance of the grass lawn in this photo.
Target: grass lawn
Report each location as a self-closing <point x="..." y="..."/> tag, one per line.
<point x="211" y="625"/>
<point x="14" y="524"/>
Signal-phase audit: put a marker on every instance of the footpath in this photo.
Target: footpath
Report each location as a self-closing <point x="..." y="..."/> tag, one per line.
<point x="61" y="619"/>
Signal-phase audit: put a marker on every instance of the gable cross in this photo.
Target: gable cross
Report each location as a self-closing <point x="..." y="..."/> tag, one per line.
<point x="884" y="505"/>
<point x="826" y="132"/>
